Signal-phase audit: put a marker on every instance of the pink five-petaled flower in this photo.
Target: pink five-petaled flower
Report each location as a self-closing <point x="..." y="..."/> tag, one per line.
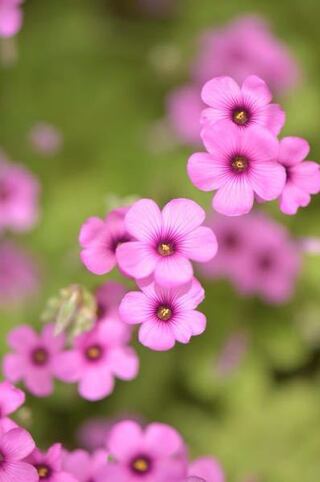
<point x="245" y="106"/>
<point x="240" y="164"/>
<point x="10" y="17"/>
<point x="303" y="177"/>
<point x="11" y="398"/>
<point x="99" y="239"/>
<point x="49" y="465"/>
<point x="15" y="446"/>
<point x="208" y="469"/>
<point x="96" y="358"/>
<point x="156" y="454"/>
<point x="33" y="359"/>
<point x="84" y="466"/>
<point x="166" y="241"/>
<point x="166" y="314"/>
<point x="19" y="192"/>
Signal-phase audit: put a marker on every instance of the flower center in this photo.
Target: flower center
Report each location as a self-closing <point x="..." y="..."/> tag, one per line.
<point x="40" y="356"/>
<point x="43" y="471"/>
<point x="5" y="192"/>
<point x="94" y="352"/>
<point x="165" y="249"/>
<point x="120" y="240"/>
<point x="102" y="310"/>
<point x="240" y="117"/>
<point x="265" y="262"/>
<point x="164" y="313"/>
<point x="1" y="458"/>
<point x="239" y="163"/>
<point x="141" y="465"/>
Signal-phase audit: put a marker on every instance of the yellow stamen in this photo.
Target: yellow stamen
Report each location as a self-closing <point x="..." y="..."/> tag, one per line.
<point x="165" y="249"/>
<point x="239" y="163"/>
<point x="240" y="117"/>
<point x="140" y="465"/>
<point x="164" y="313"/>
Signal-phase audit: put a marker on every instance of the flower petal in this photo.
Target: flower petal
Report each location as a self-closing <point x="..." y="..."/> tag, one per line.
<point x="306" y="176"/>
<point x="222" y="139"/>
<point x="173" y="271"/>
<point x="22" y="338"/>
<point x="124" y="438"/>
<point x="256" y="90"/>
<point x="259" y="145"/>
<point x="96" y="383"/>
<point x="17" y="444"/>
<point x="220" y="92"/>
<point x="200" y="245"/>
<point x="136" y="259"/>
<point x="274" y="118"/>
<point x="163" y="440"/>
<point x="67" y="366"/>
<point x="11" y="398"/>
<point x="194" y="320"/>
<point x="189" y="299"/>
<point x="292" y="198"/>
<point x="13" y="367"/>
<point x="208" y="468"/>
<point x="267" y="179"/>
<point x="98" y="259"/>
<point x="123" y="363"/>
<point x="157" y="336"/>
<point x="18" y="472"/>
<point x="143" y="220"/>
<point x="135" y="308"/>
<point x="235" y="198"/>
<point x="205" y="172"/>
<point x="181" y="216"/>
<point x="293" y="150"/>
<point x="39" y="382"/>
<point x="90" y="230"/>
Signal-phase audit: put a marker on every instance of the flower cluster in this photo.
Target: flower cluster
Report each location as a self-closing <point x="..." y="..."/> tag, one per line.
<point x="257" y="255"/>
<point x="244" y="47"/>
<point x="129" y="453"/>
<point x="244" y="159"/>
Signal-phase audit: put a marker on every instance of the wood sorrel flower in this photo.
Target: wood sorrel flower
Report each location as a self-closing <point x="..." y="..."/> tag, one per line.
<point x="303" y="177"/>
<point x="49" y="465"/>
<point x="166" y="314"/>
<point x="240" y="164"/>
<point x="165" y="241"/>
<point x="86" y="467"/>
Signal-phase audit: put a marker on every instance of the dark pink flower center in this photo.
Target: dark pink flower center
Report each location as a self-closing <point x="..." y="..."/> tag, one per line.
<point x="166" y="248"/>
<point x="164" y="313"/>
<point x="2" y="458"/>
<point x="239" y="164"/>
<point x="94" y="353"/>
<point x="240" y="116"/>
<point x="230" y="241"/>
<point x="5" y="191"/>
<point x="44" y="471"/>
<point x="102" y="310"/>
<point x="265" y="262"/>
<point x="115" y="242"/>
<point x="141" y="465"/>
<point x="40" y="356"/>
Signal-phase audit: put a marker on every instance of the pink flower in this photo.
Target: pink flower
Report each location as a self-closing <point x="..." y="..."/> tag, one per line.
<point x="184" y="107"/>
<point x="11" y="398"/>
<point x="19" y="192"/>
<point x="207" y="469"/>
<point x="96" y="358"/>
<point x="165" y="241"/>
<point x="15" y="446"/>
<point x="49" y="465"/>
<point x="156" y="454"/>
<point x="303" y="177"/>
<point x="86" y="467"/>
<point x="45" y="138"/>
<point x="232" y="353"/>
<point x="246" y="106"/>
<point x="33" y="358"/>
<point x="19" y="275"/>
<point x="10" y="17"/>
<point x="166" y="314"/>
<point x="244" y="47"/>
<point x="99" y="240"/>
<point x="240" y="164"/>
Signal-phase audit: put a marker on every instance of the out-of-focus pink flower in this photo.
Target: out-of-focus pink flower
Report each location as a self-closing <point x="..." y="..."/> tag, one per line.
<point x="10" y="17"/>
<point x="303" y="177"/>
<point x="19" y="275"/>
<point x="239" y="164"/>
<point x="232" y="353"/>
<point x="244" y="47"/>
<point x="184" y="107"/>
<point x="45" y="138"/>
<point x="166" y="314"/>
<point x="165" y="241"/>
<point x="19" y="197"/>
<point x="15" y="446"/>
<point x="48" y="465"/>
<point x="99" y="240"/>
<point x="208" y="469"/>
<point x="247" y="106"/>
<point x="86" y="467"/>
<point x="93" y="432"/>
<point x="33" y="358"/>
<point x="156" y="454"/>
<point x="11" y="398"/>
<point x="96" y="358"/>
<point x="263" y="258"/>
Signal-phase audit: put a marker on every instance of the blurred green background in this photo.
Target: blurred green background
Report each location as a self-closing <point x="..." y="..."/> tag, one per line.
<point x="95" y="70"/>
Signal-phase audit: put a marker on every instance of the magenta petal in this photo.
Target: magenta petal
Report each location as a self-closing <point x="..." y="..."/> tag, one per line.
<point x="208" y="468"/>
<point x="163" y="440"/>
<point x="235" y="198"/>
<point x="89" y="231"/>
<point x="191" y="298"/>
<point x="124" y="363"/>
<point x="18" y="472"/>
<point x="173" y="271"/>
<point x="256" y="90"/>
<point x="11" y="398"/>
<point x="292" y="198"/>
<point x="157" y="336"/>
<point x="195" y="320"/>
<point x="259" y="145"/>
<point x="222" y="139"/>
<point x="98" y="259"/>
<point x="205" y="172"/>
<point x="143" y="220"/>
<point x="63" y="477"/>
<point x="181" y="216"/>
<point x="220" y="92"/>
<point x="274" y="118"/>
<point x="68" y="366"/>
<point x="10" y="20"/>
<point x="124" y="439"/>
<point x="39" y="382"/>
<point x="267" y="179"/>
<point x="136" y="259"/>
<point x="13" y="367"/>
<point x="135" y="308"/>
<point x="96" y="383"/>
<point x="200" y="245"/>
<point x="53" y="342"/>
<point x="181" y="330"/>
<point x="293" y="150"/>
<point x="22" y="338"/>
<point x="306" y="176"/>
<point x="16" y="444"/>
